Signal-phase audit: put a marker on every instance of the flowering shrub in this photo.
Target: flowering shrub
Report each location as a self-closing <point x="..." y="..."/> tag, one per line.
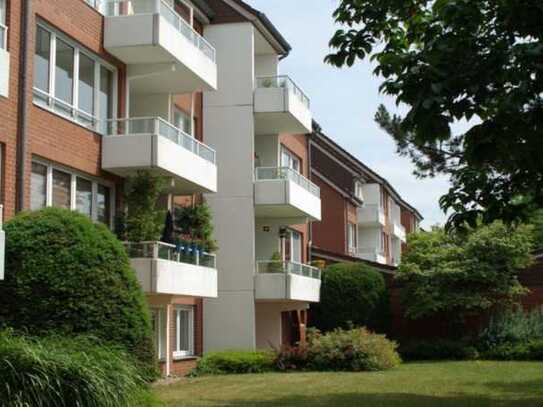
<point x="341" y="350"/>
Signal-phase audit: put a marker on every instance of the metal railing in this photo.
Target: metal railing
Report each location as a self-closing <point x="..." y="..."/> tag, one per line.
<point x="116" y="8"/>
<point x="157" y="125"/>
<point x="287" y="267"/>
<point x="373" y="251"/>
<point x="286" y="173"/>
<point x="283" y="81"/>
<point x="3" y="37"/>
<point x="65" y="109"/>
<point x="181" y="253"/>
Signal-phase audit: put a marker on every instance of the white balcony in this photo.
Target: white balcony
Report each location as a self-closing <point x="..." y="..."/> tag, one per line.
<point x="4" y="61"/>
<point x="281" y="107"/>
<point x="287" y="281"/>
<point x="159" y="47"/>
<point x="162" y="268"/>
<point x="371" y="215"/>
<point x="374" y="254"/>
<point x="282" y="193"/>
<point x="154" y="144"/>
<point x="398" y="231"/>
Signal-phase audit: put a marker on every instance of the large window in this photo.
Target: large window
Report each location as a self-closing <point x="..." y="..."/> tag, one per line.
<point x="184" y="332"/>
<point x="158" y="324"/>
<point x="290" y="160"/>
<point x="71" y="81"/>
<point x="60" y="187"/>
<point x="182" y="121"/>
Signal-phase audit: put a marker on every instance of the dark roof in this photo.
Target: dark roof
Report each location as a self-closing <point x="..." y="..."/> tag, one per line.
<point x="317" y="131"/>
<point x="269" y="26"/>
<point x="204" y="7"/>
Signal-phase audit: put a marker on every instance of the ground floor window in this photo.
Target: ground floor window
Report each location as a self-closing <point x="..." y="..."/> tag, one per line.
<point x="352" y="237"/>
<point x="159" y="335"/>
<point x="184" y="332"/>
<point x="56" y="186"/>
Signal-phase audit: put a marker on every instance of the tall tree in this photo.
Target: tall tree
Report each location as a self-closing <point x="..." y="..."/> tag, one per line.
<point x="451" y="60"/>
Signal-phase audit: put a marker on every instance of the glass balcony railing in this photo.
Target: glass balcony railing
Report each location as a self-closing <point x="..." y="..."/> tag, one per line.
<point x="3" y="37"/>
<point x="157" y="125"/>
<point x="285" y="173"/>
<point x="370" y="251"/>
<point x="115" y="8"/>
<point x="287" y="267"/>
<point x="181" y="253"/>
<point x="284" y="82"/>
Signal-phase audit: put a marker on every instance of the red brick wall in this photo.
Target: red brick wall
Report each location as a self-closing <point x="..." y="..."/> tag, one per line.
<point x="329" y="234"/>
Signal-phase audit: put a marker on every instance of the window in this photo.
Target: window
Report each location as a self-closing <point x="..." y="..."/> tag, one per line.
<point x="293" y="246"/>
<point x="184" y="332"/>
<point x="290" y="160"/>
<point x="84" y="196"/>
<point x="181" y="120"/>
<point x="72" y="82"/>
<point x="38" y="186"/>
<point x="60" y="187"/>
<point x="3" y="28"/>
<point x="158" y="324"/>
<point x="359" y="190"/>
<point x="351" y="237"/>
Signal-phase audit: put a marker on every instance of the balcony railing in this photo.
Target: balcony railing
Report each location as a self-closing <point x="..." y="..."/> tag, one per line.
<point x="284" y="82"/>
<point x="3" y="37"/>
<point x="115" y="8"/>
<point x="156" y="125"/>
<point x="285" y="173"/>
<point x="287" y="267"/>
<point x="361" y="251"/>
<point x="181" y="253"/>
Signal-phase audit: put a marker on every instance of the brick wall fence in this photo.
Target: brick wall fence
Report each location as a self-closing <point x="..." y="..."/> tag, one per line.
<point x="439" y="327"/>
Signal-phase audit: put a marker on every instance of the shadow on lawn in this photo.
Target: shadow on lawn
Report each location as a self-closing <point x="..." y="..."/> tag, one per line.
<point x="387" y="400"/>
<point x="532" y="387"/>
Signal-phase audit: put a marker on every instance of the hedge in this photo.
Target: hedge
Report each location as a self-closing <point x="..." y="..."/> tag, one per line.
<point x="69" y="276"/>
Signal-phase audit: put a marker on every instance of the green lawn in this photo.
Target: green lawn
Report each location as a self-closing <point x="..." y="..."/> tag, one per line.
<point x="413" y="384"/>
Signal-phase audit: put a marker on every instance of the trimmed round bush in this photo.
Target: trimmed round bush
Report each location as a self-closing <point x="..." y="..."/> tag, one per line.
<point x="69" y="276"/>
<point x="59" y="371"/>
<point x="352" y="294"/>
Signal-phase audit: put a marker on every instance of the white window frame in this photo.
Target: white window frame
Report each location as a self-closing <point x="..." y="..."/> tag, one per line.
<point x="73" y="189"/>
<point x="292" y="158"/>
<point x="3" y="26"/>
<point x="291" y="233"/>
<point x="50" y="95"/>
<point x="183" y="353"/>
<point x="160" y="332"/>
<point x="359" y="190"/>
<point x="352" y="237"/>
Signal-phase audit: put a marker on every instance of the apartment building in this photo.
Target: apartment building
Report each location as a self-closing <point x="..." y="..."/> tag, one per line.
<point x="106" y="89"/>
<point x="363" y="217"/>
<point x="258" y="121"/>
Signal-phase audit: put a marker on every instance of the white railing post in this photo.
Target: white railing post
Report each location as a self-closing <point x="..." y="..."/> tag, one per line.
<point x="155" y="250"/>
<point x="197" y="257"/>
<point x="157" y="6"/>
<point x="156" y="125"/>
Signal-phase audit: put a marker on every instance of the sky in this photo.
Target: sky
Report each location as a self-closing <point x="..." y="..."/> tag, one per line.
<point x="344" y="101"/>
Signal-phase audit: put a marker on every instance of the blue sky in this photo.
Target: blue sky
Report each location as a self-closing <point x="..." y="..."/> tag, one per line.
<point x="344" y="101"/>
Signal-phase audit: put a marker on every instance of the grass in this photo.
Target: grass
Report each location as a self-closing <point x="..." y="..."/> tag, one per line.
<point x="440" y="384"/>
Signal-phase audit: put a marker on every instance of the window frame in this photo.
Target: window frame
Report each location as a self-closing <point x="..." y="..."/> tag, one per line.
<point x="47" y="99"/>
<point x="352" y="237"/>
<point x="3" y="24"/>
<point x="185" y="353"/>
<point x="73" y="186"/>
<point x="292" y="158"/>
<point x="159" y="335"/>
<point x="359" y="190"/>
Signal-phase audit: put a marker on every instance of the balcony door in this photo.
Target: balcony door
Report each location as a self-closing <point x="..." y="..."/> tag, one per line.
<point x="290" y="160"/>
<point x="293" y="247"/>
<point x="182" y="121"/>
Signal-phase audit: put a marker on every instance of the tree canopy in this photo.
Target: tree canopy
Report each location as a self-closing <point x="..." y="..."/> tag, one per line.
<point x="459" y="273"/>
<point x="459" y="60"/>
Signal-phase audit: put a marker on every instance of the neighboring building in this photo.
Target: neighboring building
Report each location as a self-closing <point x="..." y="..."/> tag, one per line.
<point x="258" y="122"/>
<point x="113" y="88"/>
<point x="363" y="217"/>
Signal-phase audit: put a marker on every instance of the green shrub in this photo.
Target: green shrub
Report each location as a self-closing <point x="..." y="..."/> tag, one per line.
<point x="530" y="350"/>
<point x="352" y="294"/>
<point x="69" y="276"/>
<point x="58" y="371"/>
<point x="341" y="350"/>
<point x="512" y="326"/>
<point x="235" y="362"/>
<point x="439" y="349"/>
